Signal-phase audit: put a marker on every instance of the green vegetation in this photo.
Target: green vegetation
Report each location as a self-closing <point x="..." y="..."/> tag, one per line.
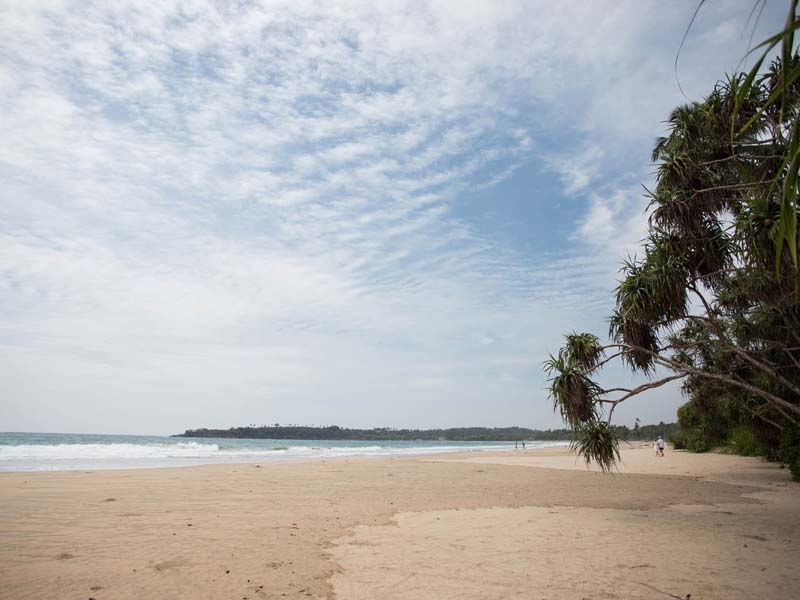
<point x="596" y="441"/>
<point x="456" y="434"/>
<point x="713" y="298"/>
<point x="789" y="450"/>
<point x="646" y="433"/>
<point x="781" y="99"/>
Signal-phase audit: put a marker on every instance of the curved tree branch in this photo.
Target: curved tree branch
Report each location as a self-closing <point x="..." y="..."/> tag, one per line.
<point x="638" y="390"/>
<point x="689" y="370"/>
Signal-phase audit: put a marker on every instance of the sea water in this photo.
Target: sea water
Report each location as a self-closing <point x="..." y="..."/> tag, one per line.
<point x="64" y="451"/>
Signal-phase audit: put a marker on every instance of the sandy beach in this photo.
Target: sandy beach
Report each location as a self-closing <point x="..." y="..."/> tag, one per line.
<point x="480" y="525"/>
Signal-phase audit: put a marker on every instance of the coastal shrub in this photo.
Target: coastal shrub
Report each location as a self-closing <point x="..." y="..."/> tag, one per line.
<point x="678" y="440"/>
<point x="743" y="441"/>
<point x="768" y="438"/>
<point x="700" y="428"/>
<point x="689" y="440"/>
<point x="697" y="442"/>
<point x="789" y="450"/>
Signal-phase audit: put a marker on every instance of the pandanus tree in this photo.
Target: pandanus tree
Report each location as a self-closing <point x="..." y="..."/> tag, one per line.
<point x="713" y="296"/>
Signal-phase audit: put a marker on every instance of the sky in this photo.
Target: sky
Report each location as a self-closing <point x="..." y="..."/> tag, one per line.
<point x="358" y="213"/>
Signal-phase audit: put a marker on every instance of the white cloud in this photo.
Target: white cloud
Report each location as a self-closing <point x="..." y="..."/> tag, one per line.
<point x="234" y="213"/>
<point x="578" y="167"/>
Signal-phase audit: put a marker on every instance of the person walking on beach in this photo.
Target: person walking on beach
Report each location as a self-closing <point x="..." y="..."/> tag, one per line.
<point x="659" y="446"/>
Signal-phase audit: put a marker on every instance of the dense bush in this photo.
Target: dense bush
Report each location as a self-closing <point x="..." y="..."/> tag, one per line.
<point x="701" y="424"/>
<point x="743" y="441"/>
<point x="679" y="440"/>
<point x="691" y="440"/>
<point x="789" y="450"/>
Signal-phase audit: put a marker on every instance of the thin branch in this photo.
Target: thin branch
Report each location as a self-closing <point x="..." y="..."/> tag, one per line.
<point x="604" y="361"/>
<point x="618" y="389"/>
<point x="680" y="367"/>
<point x="651" y="385"/>
<point x="738" y="351"/>
<point x="778" y="408"/>
<point x="683" y="41"/>
<point x="792" y="358"/>
<point x="773" y="399"/>
<point x="734" y="186"/>
<point x="770" y="421"/>
<point x="638" y="390"/>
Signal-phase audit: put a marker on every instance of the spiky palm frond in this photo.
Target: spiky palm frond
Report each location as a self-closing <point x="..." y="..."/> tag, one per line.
<point x="708" y="254"/>
<point x="642" y="343"/>
<point x="654" y="290"/>
<point x="778" y="91"/>
<point x="584" y="349"/>
<point x="596" y="442"/>
<point x="573" y="394"/>
<point x="672" y="210"/>
<point x="760" y="220"/>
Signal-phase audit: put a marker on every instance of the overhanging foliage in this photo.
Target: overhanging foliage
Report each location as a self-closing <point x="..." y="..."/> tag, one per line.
<point x="713" y="298"/>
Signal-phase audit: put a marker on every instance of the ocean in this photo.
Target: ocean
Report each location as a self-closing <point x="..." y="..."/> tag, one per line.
<point x="65" y="451"/>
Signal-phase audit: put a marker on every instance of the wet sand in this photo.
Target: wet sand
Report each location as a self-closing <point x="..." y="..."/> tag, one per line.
<point x="488" y="525"/>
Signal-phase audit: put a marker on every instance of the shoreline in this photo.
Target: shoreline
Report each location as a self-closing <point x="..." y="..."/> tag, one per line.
<point x="475" y="525"/>
<point x="242" y="454"/>
<point x="454" y="455"/>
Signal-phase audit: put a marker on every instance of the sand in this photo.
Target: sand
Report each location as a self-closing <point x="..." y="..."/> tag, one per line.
<point x="489" y="525"/>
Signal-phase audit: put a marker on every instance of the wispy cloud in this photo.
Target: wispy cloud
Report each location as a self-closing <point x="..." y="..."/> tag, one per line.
<point x="228" y="213"/>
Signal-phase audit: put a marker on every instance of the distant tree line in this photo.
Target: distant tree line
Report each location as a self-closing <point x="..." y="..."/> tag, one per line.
<point x="645" y="432"/>
<point x="455" y="434"/>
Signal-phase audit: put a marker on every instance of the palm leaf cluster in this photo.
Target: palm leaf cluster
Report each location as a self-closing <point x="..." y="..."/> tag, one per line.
<point x="583" y="350"/>
<point x="597" y="443"/>
<point x="778" y="106"/>
<point x="573" y="393"/>
<point x="578" y="398"/>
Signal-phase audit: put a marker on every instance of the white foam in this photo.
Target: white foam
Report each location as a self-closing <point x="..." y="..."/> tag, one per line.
<point x="37" y="457"/>
<point x="105" y="451"/>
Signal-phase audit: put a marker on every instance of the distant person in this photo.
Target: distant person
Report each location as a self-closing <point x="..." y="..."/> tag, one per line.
<point x="660" y="446"/>
<point x="523" y="445"/>
<point x="516" y="445"/>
